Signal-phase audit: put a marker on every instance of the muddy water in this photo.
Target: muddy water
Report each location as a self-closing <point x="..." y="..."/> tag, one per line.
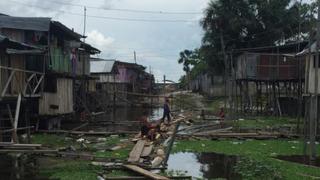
<point x="203" y="165"/>
<point x="121" y="118"/>
<point x="14" y="167"/>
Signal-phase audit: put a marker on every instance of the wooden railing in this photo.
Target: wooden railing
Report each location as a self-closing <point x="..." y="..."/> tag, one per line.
<point x="17" y="81"/>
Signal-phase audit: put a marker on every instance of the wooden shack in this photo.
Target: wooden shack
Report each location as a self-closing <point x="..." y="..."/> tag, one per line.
<point x="269" y="80"/>
<point x="66" y="62"/>
<point x="20" y="85"/>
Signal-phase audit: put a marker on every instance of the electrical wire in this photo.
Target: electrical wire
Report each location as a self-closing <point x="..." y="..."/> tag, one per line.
<point x="108" y="17"/>
<point x="123" y="10"/>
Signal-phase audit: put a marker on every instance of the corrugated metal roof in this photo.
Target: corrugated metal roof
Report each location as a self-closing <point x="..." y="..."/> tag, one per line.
<point x="25" y="23"/>
<point x="8" y="43"/>
<point x="101" y="66"/>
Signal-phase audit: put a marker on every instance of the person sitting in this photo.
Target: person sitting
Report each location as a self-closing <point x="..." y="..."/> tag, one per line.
<point x="148" y="129"/>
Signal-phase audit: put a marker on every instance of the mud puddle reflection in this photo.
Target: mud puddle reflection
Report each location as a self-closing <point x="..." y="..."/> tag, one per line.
<point x="203" y="165"/>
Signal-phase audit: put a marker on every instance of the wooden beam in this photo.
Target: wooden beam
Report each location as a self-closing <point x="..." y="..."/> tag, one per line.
<point x="28" y="83"/>
<point x="136" y="152"/>
<point x="86" y="132"/>
<point x="35" y="151"/>
<point x="147" y="151"/>
<point x="19" y="70"/>
<point x="16" y="119"/>
<point x="145" y="172"/>
<point x="38" y="84"/>
<point x="4" y="90"/>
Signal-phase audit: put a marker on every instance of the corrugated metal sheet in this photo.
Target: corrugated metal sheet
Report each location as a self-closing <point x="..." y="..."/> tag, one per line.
<point x="59" y="61"/>
<point x="25" y="23"/>
<point x="103" y="66"/>
<point x="267" y="67"/>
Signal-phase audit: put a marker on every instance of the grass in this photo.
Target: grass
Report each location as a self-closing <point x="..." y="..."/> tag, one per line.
<point x="70" y="170"/>
<point x="78" y="169"/>
<point x="259" y="151"/>
<point x="50" y="140"/>
<point x="265" y="122"/>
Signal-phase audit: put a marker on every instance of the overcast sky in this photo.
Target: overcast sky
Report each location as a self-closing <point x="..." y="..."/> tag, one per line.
<point x="157" y="43"/>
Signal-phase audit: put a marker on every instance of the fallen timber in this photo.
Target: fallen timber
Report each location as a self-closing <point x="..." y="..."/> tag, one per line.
<point x="145" y="172"/>
<point x="144" y="178"/>
<point x="241" y="135"/>
<point x="92" y="133"/>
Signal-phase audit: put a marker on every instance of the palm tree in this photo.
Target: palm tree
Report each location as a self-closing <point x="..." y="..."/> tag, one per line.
<point x="187" y="58"/>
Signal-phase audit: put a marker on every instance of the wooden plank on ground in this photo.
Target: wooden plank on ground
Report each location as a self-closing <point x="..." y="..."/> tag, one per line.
<point x="136" y="152"/>
<point x="20" y="145"/>
<point x="36" y="151"/>
<point x="147" y="151"/>
<point x="145" y="172"/>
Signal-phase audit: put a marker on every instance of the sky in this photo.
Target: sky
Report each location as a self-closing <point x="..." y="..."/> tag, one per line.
<point x="157" y="44"/>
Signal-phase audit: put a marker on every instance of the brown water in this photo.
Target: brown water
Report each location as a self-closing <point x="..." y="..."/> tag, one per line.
<point x="124" y="119"/>
<point x="203" y="165"/>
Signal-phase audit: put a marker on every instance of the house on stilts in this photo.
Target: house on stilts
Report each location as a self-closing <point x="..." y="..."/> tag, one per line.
<point x="65" y="61"/>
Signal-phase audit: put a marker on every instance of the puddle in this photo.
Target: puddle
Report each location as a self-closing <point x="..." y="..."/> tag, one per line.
<point x="203" y="165"/>
<point x="14" y="167"/>
<point x="119" y="115"/>
<point x="301" y="160"/>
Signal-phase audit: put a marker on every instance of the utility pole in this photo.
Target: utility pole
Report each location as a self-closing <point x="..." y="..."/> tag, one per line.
<point x="135" y="57"/>
<point x="84" y="23"/>
<point x="164" y="84"/>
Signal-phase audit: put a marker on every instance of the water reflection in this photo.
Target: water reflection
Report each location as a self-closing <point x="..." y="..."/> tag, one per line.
<point x="125" y="119"/>
<point x="203" y="165"/>
<point x="13" y="167"/>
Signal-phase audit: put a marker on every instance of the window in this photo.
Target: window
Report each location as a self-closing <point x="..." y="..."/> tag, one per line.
<point x="50" y="84"/>
<point x="314" y="61"/>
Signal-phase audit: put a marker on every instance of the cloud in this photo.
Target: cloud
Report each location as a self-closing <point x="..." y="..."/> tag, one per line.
<point x="109" y="3"/>
<point x="97" y="39"/>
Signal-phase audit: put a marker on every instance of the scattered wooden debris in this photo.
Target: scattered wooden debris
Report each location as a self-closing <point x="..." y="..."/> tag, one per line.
<point x="147" y="151"/>
<point x="136" y="152"/>
<point x="145" y="172"/>
<point x="92" y="133"/>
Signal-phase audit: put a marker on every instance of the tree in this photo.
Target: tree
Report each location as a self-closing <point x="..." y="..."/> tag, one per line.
<point x="251" y="23"/>
<point x="188" y="58"/>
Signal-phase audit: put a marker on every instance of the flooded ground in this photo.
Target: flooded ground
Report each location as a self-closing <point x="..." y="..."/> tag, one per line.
<point x="203" y="165"/>
<point x="301" y="160"/>
<point x="118" y="119"/>
<point x="13" y="167"/>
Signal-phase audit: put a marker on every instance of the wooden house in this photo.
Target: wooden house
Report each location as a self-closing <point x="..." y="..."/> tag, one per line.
<point x="20" y="85"/>
<point x="66" y="61"/>
<point x="309" y="55"/>
<point x="269" y="79"/>
<point x="118" y="79"/>
<point x="208" y="85"/>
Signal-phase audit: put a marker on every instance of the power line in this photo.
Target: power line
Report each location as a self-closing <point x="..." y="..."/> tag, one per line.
<point x="106" y="17"/>
<point x="123" y="10"/>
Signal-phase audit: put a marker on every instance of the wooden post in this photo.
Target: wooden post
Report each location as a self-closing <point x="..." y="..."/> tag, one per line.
<point x="168" y="149"/>
<point x="16" y="119"/>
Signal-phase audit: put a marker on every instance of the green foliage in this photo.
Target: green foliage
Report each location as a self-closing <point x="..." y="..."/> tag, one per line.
<point x="249" y="168"/>
<point x="247" y="24"/>
<point x="71" y="170"/>
<point x="50" y="140"/>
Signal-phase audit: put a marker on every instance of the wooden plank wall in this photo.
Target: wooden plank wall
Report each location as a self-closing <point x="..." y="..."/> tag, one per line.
<point x="3" y="73"/>
<point x="18" y="82"/>
<point x="63" y="98"/>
